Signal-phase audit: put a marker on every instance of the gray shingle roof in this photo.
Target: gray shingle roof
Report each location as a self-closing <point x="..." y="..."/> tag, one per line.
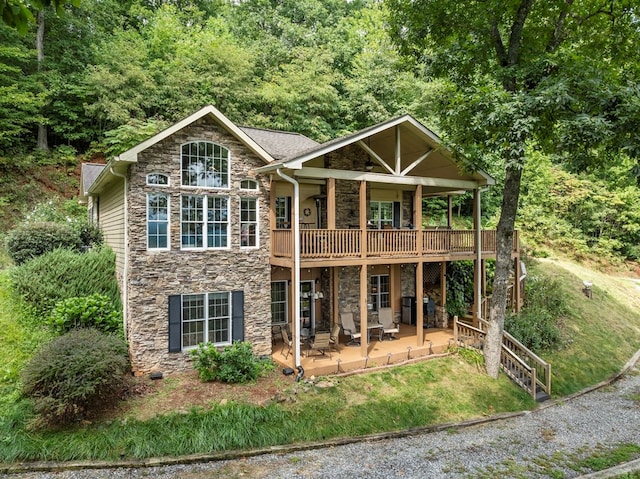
<point x="281" y="145"/>
<point x="89" y="173"/>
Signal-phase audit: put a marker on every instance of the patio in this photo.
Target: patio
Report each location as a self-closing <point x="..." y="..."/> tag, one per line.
<point x="349" y="358"/>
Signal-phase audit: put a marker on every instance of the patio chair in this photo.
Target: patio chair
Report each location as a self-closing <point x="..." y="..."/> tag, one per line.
<point x="349" y="327"/>
<point x="385" y="316"/>
<point x="321" y="343"/>
<point x="286" y="343"/>
<point x="334" y="339"/>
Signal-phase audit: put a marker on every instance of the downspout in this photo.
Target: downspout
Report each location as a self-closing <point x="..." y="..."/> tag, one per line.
<point x="125" y="271"/>
<point x="295" y="272"/>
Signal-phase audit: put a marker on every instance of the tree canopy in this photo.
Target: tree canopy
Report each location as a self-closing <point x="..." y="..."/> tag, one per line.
<point x="555" y="75"/>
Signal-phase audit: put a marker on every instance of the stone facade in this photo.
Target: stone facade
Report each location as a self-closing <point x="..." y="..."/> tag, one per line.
<point x="155" y="275"/>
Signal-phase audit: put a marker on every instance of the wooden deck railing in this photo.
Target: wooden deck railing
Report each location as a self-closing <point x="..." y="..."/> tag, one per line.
<point x="342" y="243"/>
<point x="523" y="366"/>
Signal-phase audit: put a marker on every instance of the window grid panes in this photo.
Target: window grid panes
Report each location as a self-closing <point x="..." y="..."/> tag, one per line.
<point x="279" y="302"/>
<point x="193" y="319"/>
<point x="219" y="318"/>
<point x="217" y="222"/>
<point x="205" y="164"/>
<point x="157" y="179"/>
<point x="202" y="324"/>
<point x="379" y="291"/>
<point x="192" y="218"/>
<point x="248" y="185"/>
<point x="157" y="221"/>
<point x="248" y="222"/>
<point x="212" y="216"/>
<point x="282" y="213"/>
<point x="381" y="213"/>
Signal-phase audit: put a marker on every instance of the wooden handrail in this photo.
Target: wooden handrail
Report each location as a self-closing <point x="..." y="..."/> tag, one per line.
<point x="342" y="243"/>
<point x="543" y="368"/>
<point x="518" y="362"/>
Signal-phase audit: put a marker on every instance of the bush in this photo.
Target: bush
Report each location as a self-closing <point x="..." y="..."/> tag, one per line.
<point x="536" y="326"/>
<point x="31" y="240"/>
<point x="75" y="374"/>
<point x="235" y="364"/>
<point x="63" y="274"/>
<point x="95" y="311"/>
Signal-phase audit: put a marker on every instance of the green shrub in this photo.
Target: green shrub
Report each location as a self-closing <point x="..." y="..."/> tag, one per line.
<point x="536" y="326"/>
<point x="31" y="240"/>
<point x="75" y="374"/>
<point x="63" y="274"/>
<point x="95" y="311"/>
<point x="234" y="364"/>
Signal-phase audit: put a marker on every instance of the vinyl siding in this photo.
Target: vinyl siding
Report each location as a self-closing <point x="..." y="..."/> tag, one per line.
<point x="112" y="221"/>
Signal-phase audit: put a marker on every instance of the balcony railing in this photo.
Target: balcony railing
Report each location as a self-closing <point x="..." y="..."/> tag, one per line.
<point x="336" y="244"/>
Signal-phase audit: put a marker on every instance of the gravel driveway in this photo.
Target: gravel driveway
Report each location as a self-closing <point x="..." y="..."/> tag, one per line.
<point x="544" y="443"/>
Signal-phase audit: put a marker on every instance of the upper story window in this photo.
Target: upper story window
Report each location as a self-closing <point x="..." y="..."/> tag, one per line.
<point x="205" y="164"/>
<point x="249" y="185"/>
<point x="157" y="221"/>
<point x="381" y="214"/>
<point x="157" y="179"/>
<point x="248" y="222"/>
<point x="204" y="222"/>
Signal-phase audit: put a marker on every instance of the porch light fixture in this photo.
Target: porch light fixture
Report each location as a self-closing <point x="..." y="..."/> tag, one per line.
<point x="368" y="165"/>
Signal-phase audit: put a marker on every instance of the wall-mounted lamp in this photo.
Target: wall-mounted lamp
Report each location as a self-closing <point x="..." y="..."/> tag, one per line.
<point x="368" y="165"/>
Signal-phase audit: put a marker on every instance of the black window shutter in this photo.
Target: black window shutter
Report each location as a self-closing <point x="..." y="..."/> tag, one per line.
<point x="289" y="211"/>
<point x="237" y="316"/>
<point x="396" y="214"/>
<point x="175" y="323"/>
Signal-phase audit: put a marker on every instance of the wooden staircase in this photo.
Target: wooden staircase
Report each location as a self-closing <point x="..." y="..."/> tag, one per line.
<point x="522" y="365"/>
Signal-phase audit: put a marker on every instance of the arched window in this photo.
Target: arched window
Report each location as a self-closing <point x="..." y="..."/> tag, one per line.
<point x="248" y="184"/>
<point x="205" y="164"/>
<point x="157" y="179"/>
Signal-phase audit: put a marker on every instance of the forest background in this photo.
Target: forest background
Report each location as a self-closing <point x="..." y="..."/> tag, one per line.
<point x="108" y="74"/>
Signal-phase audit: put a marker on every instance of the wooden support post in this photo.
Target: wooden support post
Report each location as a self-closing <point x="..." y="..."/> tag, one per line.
<point x="477" y="293"/>
<point x="335" y="294"/>
<point x="420" y="303"/>
<point x="364" y="312"/>
<point x="516" y="286"/>
<point x="331" y="203"/>
<point x="363" y="218"/>
<point x="443" y="284"/>
<point x="417" y="218"/>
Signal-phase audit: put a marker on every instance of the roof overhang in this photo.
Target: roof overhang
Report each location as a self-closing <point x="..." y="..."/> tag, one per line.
<point x="420" y="144"/>
<point x="119" y="164"/>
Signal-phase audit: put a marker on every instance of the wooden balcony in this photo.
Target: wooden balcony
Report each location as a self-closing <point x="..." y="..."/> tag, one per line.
<point x="350" y="246"/>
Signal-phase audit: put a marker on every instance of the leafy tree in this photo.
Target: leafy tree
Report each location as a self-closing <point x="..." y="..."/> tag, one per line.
<point x="17" y="13"/>
<point x="518" y="73"/>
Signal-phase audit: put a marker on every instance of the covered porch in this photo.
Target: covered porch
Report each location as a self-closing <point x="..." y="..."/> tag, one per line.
<point x="348" y="358"/>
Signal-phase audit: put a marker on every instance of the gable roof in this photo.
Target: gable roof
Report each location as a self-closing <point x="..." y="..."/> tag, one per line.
<point x="118" y="164"/>
<point x="281" y="145"/>
<point x="417" y="140"/>
<point x="88" y="174"/>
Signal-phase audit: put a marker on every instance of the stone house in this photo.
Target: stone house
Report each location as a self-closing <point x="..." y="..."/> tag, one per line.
<point x="226" y="233"/>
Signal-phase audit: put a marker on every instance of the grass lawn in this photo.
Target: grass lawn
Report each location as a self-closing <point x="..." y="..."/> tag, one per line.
<point x="603" y="333"/>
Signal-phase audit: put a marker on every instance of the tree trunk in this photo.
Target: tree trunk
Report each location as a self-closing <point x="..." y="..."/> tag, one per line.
<point x="504" y="240"/>
<point x="43" y="144"/>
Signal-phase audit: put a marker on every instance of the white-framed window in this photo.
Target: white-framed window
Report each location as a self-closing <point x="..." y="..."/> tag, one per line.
<point x="157" y="179"/>
<point x="248" y="222"/>
<point x="379" y="291"/>
<point x="283" y="212"/>
<point x="204" y="222"/>
<point x="206" y="318"/>
<point x="279" y="303"/>
<point x="205" y="164"/>
<point x="248" y="184"/>
<point x="157" y="221"/>
<point x="381" y="213"/>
